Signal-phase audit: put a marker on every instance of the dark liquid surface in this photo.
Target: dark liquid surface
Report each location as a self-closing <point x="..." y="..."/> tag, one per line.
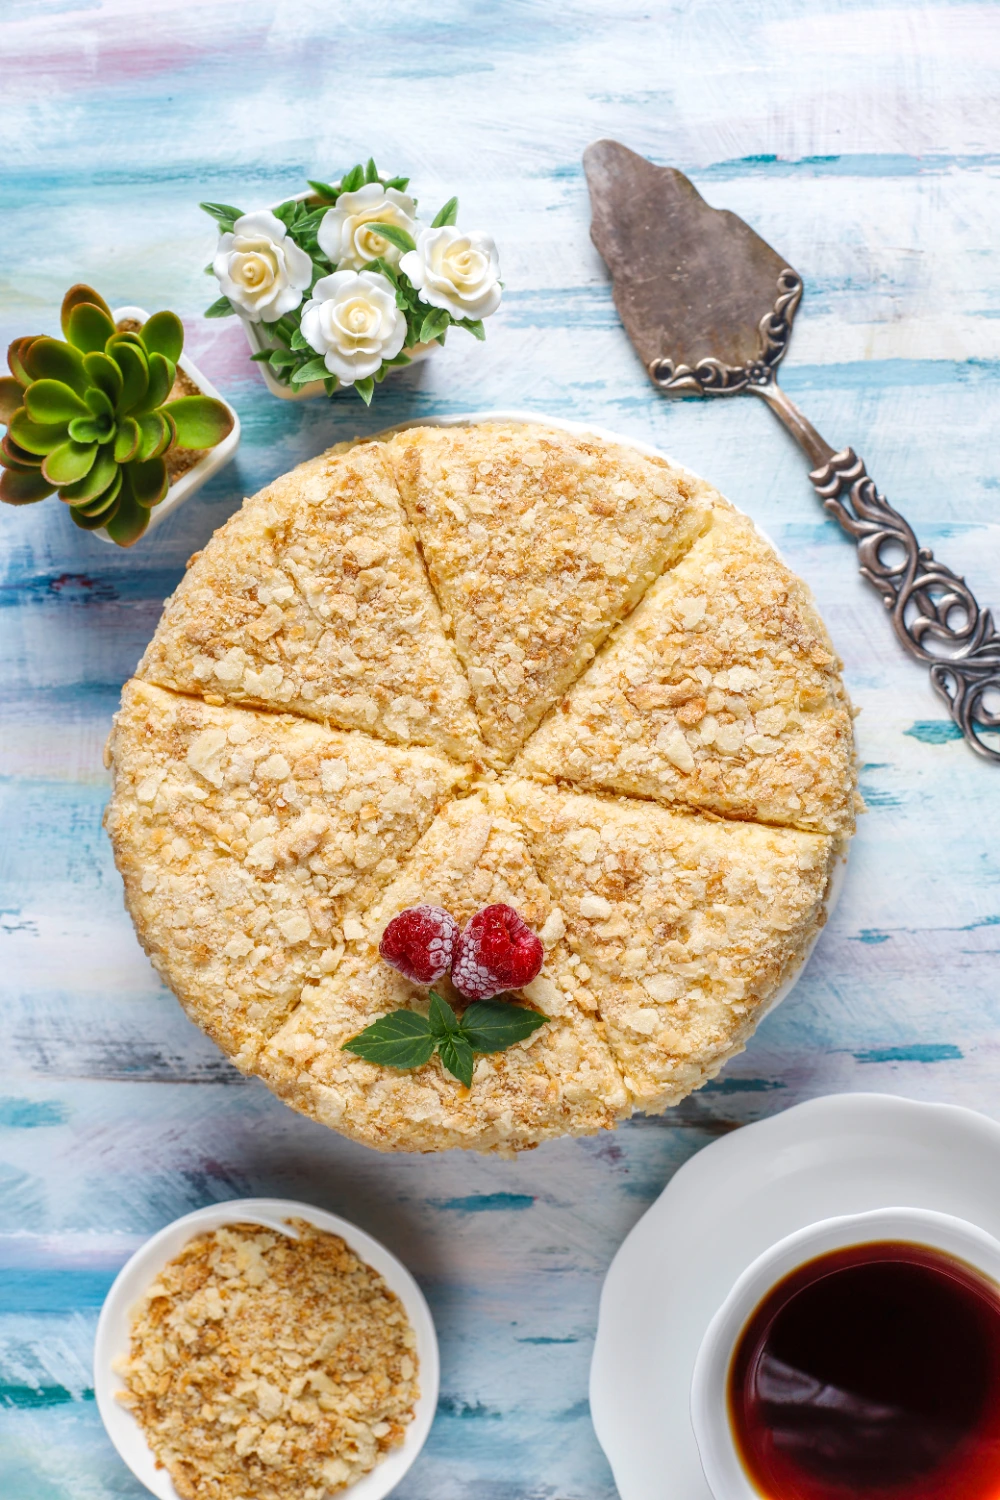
<point x="872" y="1373"/>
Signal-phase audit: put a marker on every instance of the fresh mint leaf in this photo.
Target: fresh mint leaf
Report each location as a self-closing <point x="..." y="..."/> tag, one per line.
<point x="446" y="215"/>
<point x="224" y="214"/>
<point x="473" y="326"/>
<point x="456" y="1057"/>
<point x="434" y="324"/>
<point x="393" y="234"/>
<point x="324" y="190"/>
<point x="441" y="1018"/>
<point x="365" y="389"/>
<point x="223" y="308"/>
<point x="495" y="1025"/>
<point x="401" y="1039"/>
<point x="371" y="170"/>
<point x="352" y="180"/>
<point x="313" y="369"/>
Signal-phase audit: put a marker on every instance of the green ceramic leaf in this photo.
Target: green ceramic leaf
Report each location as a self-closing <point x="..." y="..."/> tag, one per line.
<point x="11" y="397"/>
<point x="222" y="308"/>
<point x="224" y="213"/>
<point x="324" y="190"/>
<point x="149" y="481"/>
<point x="402" y="183"/>
<point x="434" y="324"/>
<point x="130" y="519"/>
<point x="104" y="374"/>
<point x="161" y="379"/>
<point x="163" y="333"/>
<point x="371" y="170"/>
<point x="135" y="376"/>
<point x="89" y="327"/>
<point x="36" y="437"/>
<point x="474" y="326"/>
<point x="51" y="401"/>
<point x="155" y="435"/>
<point x="17" y="488"/>
<point x="393" y="234"/>
<point x="69" y="462"/>
<point x="313" y="369"/>
<point x="365" y="389"/>
<point x="201" y="421"/>
<point x="74" y="297"/>
<point x="51" y="359"/>
<point x="102" y="476"/>
<point x="446" y="215"/>
<point x="352" y="180"/>
<point x="127" y="440"/>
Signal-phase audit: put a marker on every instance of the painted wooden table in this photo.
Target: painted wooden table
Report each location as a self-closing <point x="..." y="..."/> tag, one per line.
<point x="862" y="141"/>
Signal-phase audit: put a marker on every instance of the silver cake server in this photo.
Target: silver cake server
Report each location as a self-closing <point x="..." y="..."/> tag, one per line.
<point x="708" y="306"/>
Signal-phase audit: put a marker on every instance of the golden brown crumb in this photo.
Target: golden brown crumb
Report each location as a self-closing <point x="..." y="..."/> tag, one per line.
<point x="263" y="1367"/>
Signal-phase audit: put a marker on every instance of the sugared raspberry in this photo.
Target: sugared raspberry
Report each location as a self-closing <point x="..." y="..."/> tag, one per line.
<point x="420" y="942"/>
<point x="496" y="951"/>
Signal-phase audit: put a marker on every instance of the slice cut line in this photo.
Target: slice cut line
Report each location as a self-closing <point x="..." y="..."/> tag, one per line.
<point x="313" y="599"/>
<point x="536" y="543"/>
<point x="248" y="841"/>
<point x="720" y="692"/>
<point x="561" y="1081"/>
<point x="691" y="924"/>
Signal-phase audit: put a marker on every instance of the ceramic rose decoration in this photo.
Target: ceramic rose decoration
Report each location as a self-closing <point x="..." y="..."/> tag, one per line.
<point x="344" y="284"/>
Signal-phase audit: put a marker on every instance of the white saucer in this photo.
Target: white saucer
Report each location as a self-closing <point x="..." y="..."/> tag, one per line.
<point x="135" y="1276"/>
<point x="845" y="1154"/>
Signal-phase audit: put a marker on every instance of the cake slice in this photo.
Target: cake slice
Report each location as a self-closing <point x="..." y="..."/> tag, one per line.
<point x="561" y="1081"/>
<point x="686" y="926"/>
<point x="721" y="691"/>
<point x="313" y="598"/>
<point x="536" y="542"/>
<point x="248" y="841"/>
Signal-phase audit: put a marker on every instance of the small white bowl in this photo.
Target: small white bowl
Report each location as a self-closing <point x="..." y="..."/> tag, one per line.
<point x="112" y="1339"/>
<point x="724" y="1471"/>
<point x="258" y="340"/>
<point x="215" y="459"/>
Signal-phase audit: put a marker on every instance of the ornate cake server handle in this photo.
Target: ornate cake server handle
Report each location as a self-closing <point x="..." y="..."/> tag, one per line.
<point x="934" y="612"/>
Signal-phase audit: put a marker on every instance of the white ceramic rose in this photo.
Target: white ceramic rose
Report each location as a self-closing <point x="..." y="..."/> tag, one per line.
<point x="260" y="269"/>
<point x="352" y="321"/>
<point x="346" y="236"/>
<point x="455" y="270"/>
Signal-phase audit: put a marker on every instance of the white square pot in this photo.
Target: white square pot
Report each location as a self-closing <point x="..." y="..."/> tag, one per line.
<point x="215" y="459"/>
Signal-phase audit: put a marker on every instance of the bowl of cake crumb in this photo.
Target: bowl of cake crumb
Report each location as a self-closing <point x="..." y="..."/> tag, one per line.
<point x="263" y="1349"/>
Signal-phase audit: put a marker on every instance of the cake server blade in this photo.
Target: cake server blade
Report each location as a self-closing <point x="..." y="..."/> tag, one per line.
<point x="709" y="306"/>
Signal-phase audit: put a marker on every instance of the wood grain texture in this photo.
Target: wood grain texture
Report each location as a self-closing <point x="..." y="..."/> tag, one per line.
<point x="861" y="140"/>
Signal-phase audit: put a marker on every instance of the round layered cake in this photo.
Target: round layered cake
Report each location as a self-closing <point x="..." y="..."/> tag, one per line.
<point x="494" y="663"/>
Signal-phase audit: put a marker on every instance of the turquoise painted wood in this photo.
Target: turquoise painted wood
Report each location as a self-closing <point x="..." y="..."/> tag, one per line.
<point x="864" y="141"/>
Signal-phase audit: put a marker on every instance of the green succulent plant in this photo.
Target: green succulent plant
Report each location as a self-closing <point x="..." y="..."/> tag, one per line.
<point x="88" y="418"/>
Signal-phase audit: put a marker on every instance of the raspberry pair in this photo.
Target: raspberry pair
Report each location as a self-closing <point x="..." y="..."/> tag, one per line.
<point x="495" y="951"/>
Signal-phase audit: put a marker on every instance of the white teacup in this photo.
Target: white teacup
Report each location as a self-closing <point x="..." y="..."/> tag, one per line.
<point x="720" y="1459"/>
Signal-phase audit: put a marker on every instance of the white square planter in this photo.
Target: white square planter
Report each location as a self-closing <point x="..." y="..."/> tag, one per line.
<point x="215" y="459"/>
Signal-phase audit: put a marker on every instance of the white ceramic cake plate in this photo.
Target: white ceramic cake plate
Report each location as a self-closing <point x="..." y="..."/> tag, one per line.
<point x="844" y="1154"/>
<point x="112" y="1339"/>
